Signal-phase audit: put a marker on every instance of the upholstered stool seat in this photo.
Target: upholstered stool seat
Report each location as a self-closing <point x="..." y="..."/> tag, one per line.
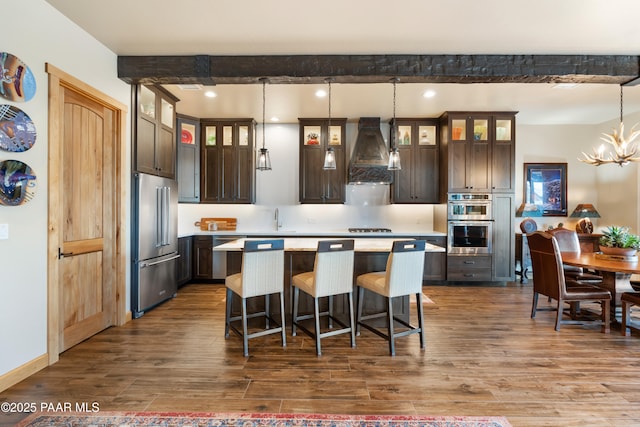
<point x="628" y="300"/>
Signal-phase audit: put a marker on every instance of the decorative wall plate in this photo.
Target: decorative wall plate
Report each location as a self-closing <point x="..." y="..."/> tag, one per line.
<point x="17" y="131"/>
<point x="17" y="183"/>
<point x="17" y="82"/>
<point x="186" y="137"/>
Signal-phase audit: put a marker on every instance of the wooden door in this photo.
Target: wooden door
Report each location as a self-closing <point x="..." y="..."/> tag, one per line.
<point x="87" y="211"/>
<point x="87" y="246"/>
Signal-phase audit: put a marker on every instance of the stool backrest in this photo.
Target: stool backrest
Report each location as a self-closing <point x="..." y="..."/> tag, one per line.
<point x="262" y="267"/>
<point x="405" y="267"/>
<point x="333" y="267"/>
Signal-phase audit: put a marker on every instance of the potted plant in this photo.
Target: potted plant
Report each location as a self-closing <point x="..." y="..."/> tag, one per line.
<point x="617" y="240"/>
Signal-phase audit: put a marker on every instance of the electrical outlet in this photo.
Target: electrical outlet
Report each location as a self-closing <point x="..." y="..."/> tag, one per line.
<point x="4" y="231"/>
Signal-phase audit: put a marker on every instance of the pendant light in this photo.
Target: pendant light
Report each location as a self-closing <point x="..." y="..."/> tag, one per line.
<point x="264" y="161"/>
<point x="394" y="154"/>
<point x="625" y="150"/>
<point x="329" y="155"/>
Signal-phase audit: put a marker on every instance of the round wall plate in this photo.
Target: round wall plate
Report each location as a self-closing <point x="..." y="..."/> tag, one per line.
<point x="17" y="131"/>
<point x="17" y="183"/>
<point x="17" y="82"/>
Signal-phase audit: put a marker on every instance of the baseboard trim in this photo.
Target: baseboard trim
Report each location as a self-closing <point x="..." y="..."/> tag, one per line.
<point x="25" y="371"/>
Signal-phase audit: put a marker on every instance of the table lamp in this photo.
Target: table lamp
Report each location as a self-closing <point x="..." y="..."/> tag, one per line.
<point x="584" y="211"/>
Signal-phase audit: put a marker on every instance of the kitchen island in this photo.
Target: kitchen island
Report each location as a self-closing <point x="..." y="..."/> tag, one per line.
<point x="207" y="265"/>
<point x="370" y="255"/>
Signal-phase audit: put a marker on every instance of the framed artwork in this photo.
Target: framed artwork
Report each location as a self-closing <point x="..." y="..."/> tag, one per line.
<point x="545" y="185"/>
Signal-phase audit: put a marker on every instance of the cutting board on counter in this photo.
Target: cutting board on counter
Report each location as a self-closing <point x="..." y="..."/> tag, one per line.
<point x="224" y="224"/>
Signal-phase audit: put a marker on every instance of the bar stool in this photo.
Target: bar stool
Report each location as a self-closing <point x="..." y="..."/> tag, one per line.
<point x="262" y="274"/>
<point x="402" y="277"/>
<point x="629" y="299"/>
<point x="332" y="275"/>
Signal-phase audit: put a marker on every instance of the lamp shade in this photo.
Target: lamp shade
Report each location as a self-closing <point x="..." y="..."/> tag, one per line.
<point x="585" y="210"/>
<point x="329" y="159"/>
<point x="528" y="210"/>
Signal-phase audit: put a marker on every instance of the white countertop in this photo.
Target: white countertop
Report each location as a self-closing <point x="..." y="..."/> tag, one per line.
<point x="313" y="233"/>
<point x="310" y="244"/>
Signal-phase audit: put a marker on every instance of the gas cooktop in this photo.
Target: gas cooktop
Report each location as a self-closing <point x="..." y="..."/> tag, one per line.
<point x="369" y="230"/>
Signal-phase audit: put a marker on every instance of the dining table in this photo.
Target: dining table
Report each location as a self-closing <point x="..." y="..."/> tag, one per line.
<point x="616" y="273"/>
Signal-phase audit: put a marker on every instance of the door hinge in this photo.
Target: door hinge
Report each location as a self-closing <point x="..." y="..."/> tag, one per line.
<point x="63" y="254"/>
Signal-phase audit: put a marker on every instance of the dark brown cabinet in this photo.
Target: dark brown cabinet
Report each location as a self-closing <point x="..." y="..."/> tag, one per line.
<point x="155" y="143"/>
<point x="202" y="259"/>
<point x="184" y="262"/>
<point x="316" y="184"/>
<point x="480" y="152"/>
<point x="188" y="168"/>
<point x="227" y="161"/>
<point x="418" y="144"/>
<point x="435" y="263"/>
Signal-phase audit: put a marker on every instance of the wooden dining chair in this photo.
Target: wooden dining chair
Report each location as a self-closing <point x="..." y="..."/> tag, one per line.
<point x="628" y="300"/>
<point x="262" y="274"/>
<point x="549" y="280"/>
<point x="332" y="275"/>
<point x="402" y="277"/>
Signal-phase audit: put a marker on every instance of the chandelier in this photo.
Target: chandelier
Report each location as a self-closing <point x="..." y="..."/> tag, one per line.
<point x="625" y="149"/>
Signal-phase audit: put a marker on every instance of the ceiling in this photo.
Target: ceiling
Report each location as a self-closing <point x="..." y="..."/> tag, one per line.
<point x="246" y="27"/>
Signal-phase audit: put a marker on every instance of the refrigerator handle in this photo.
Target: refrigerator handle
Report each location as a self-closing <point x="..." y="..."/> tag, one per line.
<point x="159" y="217"/>
<point x="166" y="217"/>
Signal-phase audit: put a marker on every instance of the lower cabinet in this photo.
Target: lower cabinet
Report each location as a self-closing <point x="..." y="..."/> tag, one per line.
<point x="435" y="263"/>
<point x="184" y="262"/>
<point x="469" y="268"/>
<point x="202" y="261"/>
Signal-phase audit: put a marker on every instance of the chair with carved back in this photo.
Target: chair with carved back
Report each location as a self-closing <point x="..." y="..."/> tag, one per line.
<point x="549" y="279"/>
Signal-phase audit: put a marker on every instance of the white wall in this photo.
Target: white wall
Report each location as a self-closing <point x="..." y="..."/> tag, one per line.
<point x="41" y="35"/>
<point x="612" y="189"/>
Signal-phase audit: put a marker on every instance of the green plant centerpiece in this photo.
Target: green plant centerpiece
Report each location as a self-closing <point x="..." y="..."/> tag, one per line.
<point x="618" y="240"/>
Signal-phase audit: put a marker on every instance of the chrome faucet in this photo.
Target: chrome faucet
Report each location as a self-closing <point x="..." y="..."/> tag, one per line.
<point x="276" y="219"/>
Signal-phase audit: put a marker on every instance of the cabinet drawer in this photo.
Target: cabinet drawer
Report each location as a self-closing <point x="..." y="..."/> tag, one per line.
<point x="480" y="274"/>
<point x="468" y="262"/>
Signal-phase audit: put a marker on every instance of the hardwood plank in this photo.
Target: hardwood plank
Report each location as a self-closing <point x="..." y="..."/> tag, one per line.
<point x="484" y="356"/>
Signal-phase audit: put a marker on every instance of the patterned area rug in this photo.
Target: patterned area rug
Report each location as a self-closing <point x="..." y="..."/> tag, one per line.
<point x="168" y="419"/>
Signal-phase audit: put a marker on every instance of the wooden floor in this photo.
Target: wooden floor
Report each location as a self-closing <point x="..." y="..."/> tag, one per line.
<point x="484" y="356"/>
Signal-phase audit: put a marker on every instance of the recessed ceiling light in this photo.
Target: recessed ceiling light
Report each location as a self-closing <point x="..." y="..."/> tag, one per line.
<point x="210" y="94"/>
<point x="321" y="93"/>
<point x="275" y="119"/>
<point x="429" y="93"/>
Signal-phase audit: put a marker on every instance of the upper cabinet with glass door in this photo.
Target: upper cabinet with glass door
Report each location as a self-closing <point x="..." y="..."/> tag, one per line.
<point x="480" y="151"/>
<point x="155" y="143"/>
<point x="417" y="141"/>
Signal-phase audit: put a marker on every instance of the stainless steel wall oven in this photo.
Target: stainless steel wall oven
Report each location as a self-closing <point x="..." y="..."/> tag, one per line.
<point x="470" y="224"/>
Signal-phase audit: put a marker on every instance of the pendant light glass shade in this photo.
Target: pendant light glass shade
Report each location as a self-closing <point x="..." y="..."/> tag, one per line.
<point x="264" y="161"/>
<point x="329" y="159"/>
<point x="394" y="160"/>
<point x="394" y="154"/>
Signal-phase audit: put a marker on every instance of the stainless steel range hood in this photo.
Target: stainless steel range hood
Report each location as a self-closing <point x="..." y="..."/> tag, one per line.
<point x="370" y="156"/>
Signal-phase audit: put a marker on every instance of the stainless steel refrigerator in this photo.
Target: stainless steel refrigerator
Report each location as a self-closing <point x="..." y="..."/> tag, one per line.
<point x="155" y="242"/>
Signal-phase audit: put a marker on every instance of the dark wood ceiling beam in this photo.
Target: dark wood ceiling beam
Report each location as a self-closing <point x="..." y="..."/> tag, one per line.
<point x="204" y="69"/>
